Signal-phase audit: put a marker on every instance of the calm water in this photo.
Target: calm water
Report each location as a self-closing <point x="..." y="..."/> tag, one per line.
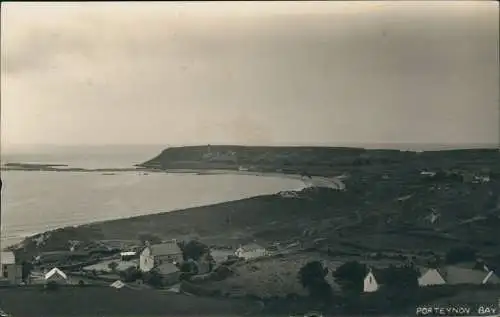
<point x="34" y="202"/>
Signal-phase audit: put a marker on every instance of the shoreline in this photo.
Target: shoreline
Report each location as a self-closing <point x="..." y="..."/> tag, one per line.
<point x="9" y="242"/>
<point x="146" y="170"/>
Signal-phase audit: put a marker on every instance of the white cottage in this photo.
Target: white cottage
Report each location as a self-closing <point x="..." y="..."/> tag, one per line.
<point x="251" y="251"/>
<point x="370" y="283"/>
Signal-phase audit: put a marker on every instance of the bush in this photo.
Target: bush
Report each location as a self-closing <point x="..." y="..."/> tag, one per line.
<point x="401" y="278"/>
<point x="153" y="278"/>
<point x="221" y="273"/>
<point x="113" y="266"/>
<point x="350" y="276"/>
<point x="194" y="250"/>
<point x="81" y="283"/>
<point x="131" y="274"/>
<point x="312" y="277"/>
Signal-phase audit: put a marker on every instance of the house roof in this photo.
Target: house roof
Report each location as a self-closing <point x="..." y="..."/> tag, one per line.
<point x="128" y="253"/>
<point x="491" y="278"/>
<point x="118" y="284"/>
<point x="8" y="257"/>
<point x="458" y="275"/>
<point x="165" y="248"/>
<point x="55" y="271"/>
<point x="167" y="268"/>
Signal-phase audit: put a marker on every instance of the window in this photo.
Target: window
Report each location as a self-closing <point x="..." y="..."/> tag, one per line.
<point x="4" y="271"/>
<point x="370" y="280"/>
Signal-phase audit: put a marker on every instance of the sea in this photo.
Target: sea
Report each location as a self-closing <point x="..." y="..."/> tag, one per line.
<point x="36" y="201"/>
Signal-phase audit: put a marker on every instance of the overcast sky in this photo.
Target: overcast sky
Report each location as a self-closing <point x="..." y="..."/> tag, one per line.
<point x="250" y="73"/>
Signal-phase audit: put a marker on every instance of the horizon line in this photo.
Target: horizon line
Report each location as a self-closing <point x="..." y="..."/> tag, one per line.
<point x="367" y="145"/>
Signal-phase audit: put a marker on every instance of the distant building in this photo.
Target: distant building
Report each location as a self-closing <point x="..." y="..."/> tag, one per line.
<point x="481" y="179"/>
<point x="57" y="276"/>
<point x="9" y="270"/>
<point x="251" y="251"/>
<point x="456" y="275"/>
<point x="157" y="254"/>
<point x="220" y="255"/>
<point x="127" y="256"/>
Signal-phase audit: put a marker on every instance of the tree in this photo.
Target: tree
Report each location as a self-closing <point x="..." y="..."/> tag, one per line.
<point x="460" y="254"/>
<point x="400" y="285"/>
<point x="26" y="268"/>
<point x="312" y="277"/>
<point x="113" y="266"/>
<point x="350" y="276"/>
<point x="131" y="274"/>
<point x="194" y="250"/>
<point x="401" y="278"/>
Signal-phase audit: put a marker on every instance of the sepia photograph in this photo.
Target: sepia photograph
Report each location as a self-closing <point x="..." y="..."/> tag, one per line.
<point x="250" y="158"/>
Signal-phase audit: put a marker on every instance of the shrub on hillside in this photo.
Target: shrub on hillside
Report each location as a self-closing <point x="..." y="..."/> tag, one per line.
<point x="312" y="277"/>
<point x="153" y="278"/>
<point x="131" y="274"/>
<point x="194" y="250"/>
<point x="350" y="276"/>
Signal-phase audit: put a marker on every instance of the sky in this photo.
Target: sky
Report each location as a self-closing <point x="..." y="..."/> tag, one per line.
<point x="275" y="73"/>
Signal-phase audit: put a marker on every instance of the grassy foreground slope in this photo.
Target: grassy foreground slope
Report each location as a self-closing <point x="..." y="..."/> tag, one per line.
<point x="107" y="301"/>
<point x="387" y="204"/>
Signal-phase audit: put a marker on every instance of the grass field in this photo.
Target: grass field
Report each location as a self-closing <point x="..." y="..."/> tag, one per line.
<point x="106" y="301"/>
<point x="277" y="276"/>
